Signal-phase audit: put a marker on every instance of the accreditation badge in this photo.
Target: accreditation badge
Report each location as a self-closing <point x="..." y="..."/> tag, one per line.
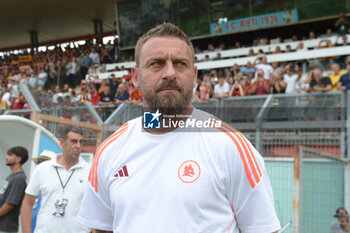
<point x="60" y="207"/>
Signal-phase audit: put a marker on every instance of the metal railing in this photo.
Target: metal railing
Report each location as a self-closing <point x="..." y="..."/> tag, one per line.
<point x="304" y="138"/>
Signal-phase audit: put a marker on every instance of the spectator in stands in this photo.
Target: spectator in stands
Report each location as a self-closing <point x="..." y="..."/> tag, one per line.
<point x="235" y="69"/>
<point x="3" y="103"/>
<point x="113" y="84"/>
<point x="249" y="70"/>
<point x="237" y="45"/>
<point x="87" y="61"/>
<point x="303" y="63"/>
<point x="342" y="225"/>
<point x="94" y="95"/>
<point x="197" y="49"/>
<point x="327" y="35"/>
<point x="303" y="85"/>
<point x="312" y="35"/>
<point x="294" y="38"/>
<point x="277" y="68"/>
<point x="260" y="54"/>
<point x="277" y="83"/>
<point x="218" y="57"/>
<point x="239" y="88"/>
<point x="6" y="95"/>
<point x="263" y="65"/>
<point x="122" y="93"/>
<point x="251" y="53"/>
<point x="204" y="90"/>
<point x="335" y="77"/>
<point x="261" y="85"/>
<point x="230" y="80"/>
<point x="74" y="99"/>
<point x="95" y="57"/>
<point x="42" y="77"/>
<point x="33" y="80"/>
<point x="19" y="102"/>
<point x="277" y="50"/>
<point x="279" y="39"/>
<point x="343" y="41"/>
<point x="344" y="82"/>
<point x="84" y="95"/>
<point x="222" y="46"/>
<point x="342" y="24"/>
<point x="72" y="68"/>
<point x="66" y="90"/>
<point x="322" y="62"/>
<point x="255" y="43"/>
<point x="106" y="96"/>
<point x="264" y="41"/>
<point x="319" y="83"/>
<point x="135" y="95"/>
<point x="222" y="88"/>
<point x="291" y="76"/>
<point x="13" y="85"/>
<point x="106" y="58"/>
<point x="211" y="47"/>
<point x="52" y="76"/>
<point x="288" y="49"/>
<point x="57" y="94"/>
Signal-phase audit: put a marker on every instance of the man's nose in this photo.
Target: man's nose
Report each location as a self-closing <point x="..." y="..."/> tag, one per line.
<point x="169" y="71"/>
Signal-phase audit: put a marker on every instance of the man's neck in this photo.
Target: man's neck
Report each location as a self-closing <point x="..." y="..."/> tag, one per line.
<point x="65" y="162"/>
<point x="16" y="168"/>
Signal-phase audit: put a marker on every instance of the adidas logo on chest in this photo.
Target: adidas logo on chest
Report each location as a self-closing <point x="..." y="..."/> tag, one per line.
<point x="123" y="172"/>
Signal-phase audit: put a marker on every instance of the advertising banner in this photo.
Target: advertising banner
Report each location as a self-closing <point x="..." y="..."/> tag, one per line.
<point x="254" y="22"/>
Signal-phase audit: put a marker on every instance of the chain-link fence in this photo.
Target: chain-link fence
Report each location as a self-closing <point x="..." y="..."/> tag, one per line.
<point x="308" y="188"/>
<point x="303" y="137"/>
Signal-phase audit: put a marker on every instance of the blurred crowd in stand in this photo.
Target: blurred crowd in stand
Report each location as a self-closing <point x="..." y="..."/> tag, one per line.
<point x="57" y="77"/>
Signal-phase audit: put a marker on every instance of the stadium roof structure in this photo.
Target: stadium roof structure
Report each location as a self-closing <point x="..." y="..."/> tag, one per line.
<point x="54" y="20"/>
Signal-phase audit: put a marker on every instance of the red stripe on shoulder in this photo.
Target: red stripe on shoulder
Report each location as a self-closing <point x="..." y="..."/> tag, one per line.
<point x="248" y="151"/>
<point x="93" y="172"/>
<point x="245" y="165"/>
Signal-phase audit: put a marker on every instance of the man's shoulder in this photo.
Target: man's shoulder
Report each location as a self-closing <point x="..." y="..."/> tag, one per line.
<point x="335" y="225"/>
<point x="121" y="133"/>
<point x="18" y="177"/>
<point x="218" y="132"/>
<point x="326" y="79"/>
<point x="344" y="76"/>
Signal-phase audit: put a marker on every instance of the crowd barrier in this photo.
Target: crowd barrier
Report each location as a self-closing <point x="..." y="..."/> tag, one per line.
<point x="303" y="137"/>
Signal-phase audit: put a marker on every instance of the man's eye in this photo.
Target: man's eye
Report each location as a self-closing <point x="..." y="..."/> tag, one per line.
<point x="181" y="64"/>
<point x="156" y="63"/>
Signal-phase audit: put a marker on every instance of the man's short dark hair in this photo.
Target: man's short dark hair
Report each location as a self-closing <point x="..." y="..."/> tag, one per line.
<point x="162" y="30"/>
<point x="19" y="152"/>
<point x="70" y="128"/>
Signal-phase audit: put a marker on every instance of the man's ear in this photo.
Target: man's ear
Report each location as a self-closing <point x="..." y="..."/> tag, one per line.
<point x="135" y="77"/>
<point x="18" y="159"/>
<point x="61" y="142"/>
<point x="195" y="76"/>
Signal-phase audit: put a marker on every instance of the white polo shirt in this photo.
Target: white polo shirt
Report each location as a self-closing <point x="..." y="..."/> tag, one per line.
<point x="266" y="68"/>
<point x="45" y="180"/>
<point x="188" y="182"/>
<point x="220" y="90"/>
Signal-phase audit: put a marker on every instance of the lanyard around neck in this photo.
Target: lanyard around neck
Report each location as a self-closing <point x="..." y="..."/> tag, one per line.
<point x="59" y="177"/>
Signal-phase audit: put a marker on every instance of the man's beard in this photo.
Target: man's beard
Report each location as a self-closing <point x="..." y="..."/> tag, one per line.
<point x="169" y="103"/>
<point x="9" y="164"/>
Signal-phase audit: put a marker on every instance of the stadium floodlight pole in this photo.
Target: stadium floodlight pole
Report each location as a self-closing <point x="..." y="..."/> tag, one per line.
<point x="29" y="97"/>
<point x="116" y="113"/>
<point x="258" y="140"/>
<point x="93" y="113"/>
